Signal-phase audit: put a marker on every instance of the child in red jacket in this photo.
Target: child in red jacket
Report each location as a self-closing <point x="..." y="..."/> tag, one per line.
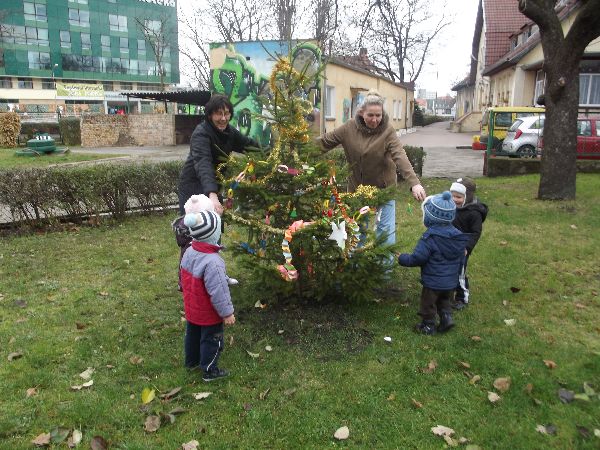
<point x="206" y="296"/>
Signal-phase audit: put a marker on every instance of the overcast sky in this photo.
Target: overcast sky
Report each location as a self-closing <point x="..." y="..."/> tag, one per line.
<point x="450" y="56"/>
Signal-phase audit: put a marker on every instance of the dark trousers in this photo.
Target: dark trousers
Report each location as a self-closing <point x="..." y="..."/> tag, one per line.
<point x="434" y="302"/>
<point x="203" y="345"/>
<point x="462" y="290"/>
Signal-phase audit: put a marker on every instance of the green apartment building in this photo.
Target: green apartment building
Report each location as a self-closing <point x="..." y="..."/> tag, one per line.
<point x="77" y="56"/>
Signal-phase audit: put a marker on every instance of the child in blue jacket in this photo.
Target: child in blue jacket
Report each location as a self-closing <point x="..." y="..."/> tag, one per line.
<point x="440" y="253"/>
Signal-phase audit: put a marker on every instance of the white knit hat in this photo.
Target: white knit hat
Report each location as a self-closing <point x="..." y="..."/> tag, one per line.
<point x="459" y="188"/>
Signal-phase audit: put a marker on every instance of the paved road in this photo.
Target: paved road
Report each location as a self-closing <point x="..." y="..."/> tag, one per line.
<point x="445" y="158"/>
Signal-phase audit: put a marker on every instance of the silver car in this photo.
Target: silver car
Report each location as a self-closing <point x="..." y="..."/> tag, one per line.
<point x="523" y="137"/>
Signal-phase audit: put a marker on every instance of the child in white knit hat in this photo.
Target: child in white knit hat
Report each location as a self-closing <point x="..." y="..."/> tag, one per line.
<point x="470" y="215"/>
<point x="206" y="296"/>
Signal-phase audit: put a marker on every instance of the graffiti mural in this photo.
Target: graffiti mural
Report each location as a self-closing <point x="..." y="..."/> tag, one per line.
<point x="241" y="71"/>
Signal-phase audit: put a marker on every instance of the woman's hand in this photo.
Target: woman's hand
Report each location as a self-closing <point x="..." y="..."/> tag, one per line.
<point x="214" y="198"/>
<point x="418" y="192"/>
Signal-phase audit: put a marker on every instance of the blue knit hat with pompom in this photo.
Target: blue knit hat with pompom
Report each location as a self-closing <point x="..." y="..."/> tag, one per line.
<point x="438" y="209"/>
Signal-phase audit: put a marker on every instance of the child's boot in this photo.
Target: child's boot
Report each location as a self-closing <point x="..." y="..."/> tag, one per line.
<point x="426" y="327"/>
<point x="446" y="322"/>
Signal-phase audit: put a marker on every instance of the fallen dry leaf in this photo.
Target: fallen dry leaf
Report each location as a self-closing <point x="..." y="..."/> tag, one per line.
<point x="514" y="290"/>
<point x="192" y="445"/>
<point x="152" y="424"/>
<point x="546" y="429"/>
<point x="75" y="439"/>
<point x="391" y="397"/>
<point x="260" y="305"/>
<point x="201" y="395"/>
<point x="503" y="243"/>
<point x="464" y="364"/>
<point x="247" y="406"/>
<point x="493" y="397"/>
<point x="502" y="384"/>
<point x="79" y="387"/>
<point x="342" y="433"/>
<point x="98" y="443"/>
<point x="177" y="410"/>
<point x="230" y="343"/>
<point x="597" y="432"/>
<point x="529" y="388"/>
<point x="441" y="430"/>
<point x="268" y="348"/>
<point x="510" y="322"/>
<point x="42" y="440"/>
<point x="57" y="435"/>
<point x="451" y="442"/>
<point x="253" y="355"/>
<point x="80" y="326"/>
<point x="31" y="392"/>
<point x="475" y="379"/>
<point x="573" y="226"/>
<point x="430" y="367"/>
<point x="416" y="404"/>
<point x="280" y="331"/>
<point x="103" y="293"/>
<point x="290" y="391"/>
<point x="565" y="395"/>
<point x="136" y="359"/>
<point x="172" y="393"/>
<point x="580" y="305"/>
<point x="148" y="395"/>
<point x="263" y="395"/>
<point x="87" y="373"/>
<point x="550" y="364"/>
<point x="475" y="338"/>
<point x="14" y="355"/>
<point x="505" y="302"/>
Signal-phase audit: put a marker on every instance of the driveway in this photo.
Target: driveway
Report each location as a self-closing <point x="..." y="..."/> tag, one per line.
<point x="449" y="155"/>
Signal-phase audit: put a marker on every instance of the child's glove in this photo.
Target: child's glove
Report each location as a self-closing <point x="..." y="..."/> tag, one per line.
<point x="232" y="281"/>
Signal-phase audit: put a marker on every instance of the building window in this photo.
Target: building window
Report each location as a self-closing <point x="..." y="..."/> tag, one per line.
<point x="589" y="89"/>
<point x="36" y="36"/>
<point x="24" y="83"/>
<point x="399" y="113"/>
<point x="35" y="11"/>
<point x="540" y="81"/>
<point x="105" y="41"/>
<point x="79" y="17"/>
<point x="38" y="60"/>
<point x="154" y="26"/>
<point x="47" y="83"/>
<point x="330" y="102"/>
<point x="86" y="43"/>
<point x="394" y="109"/>
<point x="5" y="83"/>
<point x="117" y="23"/>
<point x="112" y="1"/>
<point x="65" y="39"/>
<point x="108" y="85"/>
<point x="141" y="47"/>
<point x="81" y="2"/>
<point x="125" y="86"/>
<point x="124" y="45"/>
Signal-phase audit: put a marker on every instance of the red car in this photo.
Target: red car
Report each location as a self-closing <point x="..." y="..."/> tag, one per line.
<point x="588" y="137"/>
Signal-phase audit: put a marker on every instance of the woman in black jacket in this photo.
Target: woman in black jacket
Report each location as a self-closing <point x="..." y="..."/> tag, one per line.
<point x="211" y="142"/>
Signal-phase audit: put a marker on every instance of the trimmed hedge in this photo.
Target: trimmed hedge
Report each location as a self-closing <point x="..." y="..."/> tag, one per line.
<point x="41" y="196"/>
<point x="416" y="156"/>
<point x="70" y="130"/>
<point x="10" y="125"/>
<point x="502" y="166"/>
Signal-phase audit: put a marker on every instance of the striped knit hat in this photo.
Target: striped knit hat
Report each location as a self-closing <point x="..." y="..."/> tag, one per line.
<point x="204" y="226"/>
<point x="438" y="209"/>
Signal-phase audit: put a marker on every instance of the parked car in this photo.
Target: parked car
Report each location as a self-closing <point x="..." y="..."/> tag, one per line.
<point x="588" y="137"/>
<point x="523" y="137"/>
<point x="496" y="121"/>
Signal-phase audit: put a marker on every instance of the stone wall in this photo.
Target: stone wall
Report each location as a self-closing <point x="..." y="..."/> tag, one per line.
<point x="102" y="130"/>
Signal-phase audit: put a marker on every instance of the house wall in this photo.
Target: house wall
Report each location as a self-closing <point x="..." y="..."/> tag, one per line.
<point x="350" y="86"/>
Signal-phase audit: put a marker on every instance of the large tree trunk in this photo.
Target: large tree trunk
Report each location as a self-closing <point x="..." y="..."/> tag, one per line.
<point x="559" y="157"/>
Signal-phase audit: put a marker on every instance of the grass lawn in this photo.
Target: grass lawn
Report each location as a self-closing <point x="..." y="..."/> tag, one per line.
<point x="106" y="298"/>
<point x="9" y="160"/>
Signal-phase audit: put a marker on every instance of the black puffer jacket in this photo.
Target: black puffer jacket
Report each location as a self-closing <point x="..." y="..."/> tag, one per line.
<point x="208" y="148"/>
<point x="469" y="219"/>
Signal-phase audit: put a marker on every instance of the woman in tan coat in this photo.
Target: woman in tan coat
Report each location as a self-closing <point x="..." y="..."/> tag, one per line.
<point x="375" y="155"/>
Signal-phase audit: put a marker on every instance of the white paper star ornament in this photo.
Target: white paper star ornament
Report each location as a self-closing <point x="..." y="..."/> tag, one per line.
<point x="339" y="234"/>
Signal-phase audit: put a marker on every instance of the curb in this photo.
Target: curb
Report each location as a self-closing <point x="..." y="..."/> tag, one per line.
<point x="463" y="147"/>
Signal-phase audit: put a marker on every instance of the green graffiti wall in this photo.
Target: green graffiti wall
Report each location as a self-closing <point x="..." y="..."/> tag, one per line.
<point x="241" y="71"/>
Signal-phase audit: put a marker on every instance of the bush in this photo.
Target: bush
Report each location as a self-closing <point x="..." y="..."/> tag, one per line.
<point x="416" y="156"/>
<point x="70" y="130"/>
<point x="10" y="125"/>
<point x="418" y="119"/>
<point x="429" y="119"/>
<point x="29" y="129"/>
<point x="38" y="197"/>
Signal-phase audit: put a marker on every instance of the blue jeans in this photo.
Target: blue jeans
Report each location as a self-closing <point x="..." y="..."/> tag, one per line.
<point x="203" y="345"/>
<point x="386" y="222"/>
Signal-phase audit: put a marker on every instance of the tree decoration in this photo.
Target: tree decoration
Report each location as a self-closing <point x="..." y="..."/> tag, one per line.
<point x="303" y="235"/>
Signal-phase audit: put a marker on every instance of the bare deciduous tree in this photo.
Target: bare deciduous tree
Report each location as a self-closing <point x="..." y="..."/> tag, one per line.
<point x="325" y="15"/>
<point x="158" y="34"/>
<point x="562" y="55"/>
<point x="236" y="20"/>
<point x="285" y="14"/>
<point x="398" y="35"/>
<point x="194" y="47"/>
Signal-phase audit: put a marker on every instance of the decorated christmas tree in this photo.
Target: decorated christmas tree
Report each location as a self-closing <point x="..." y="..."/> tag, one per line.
<point x="302" y="234"/>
